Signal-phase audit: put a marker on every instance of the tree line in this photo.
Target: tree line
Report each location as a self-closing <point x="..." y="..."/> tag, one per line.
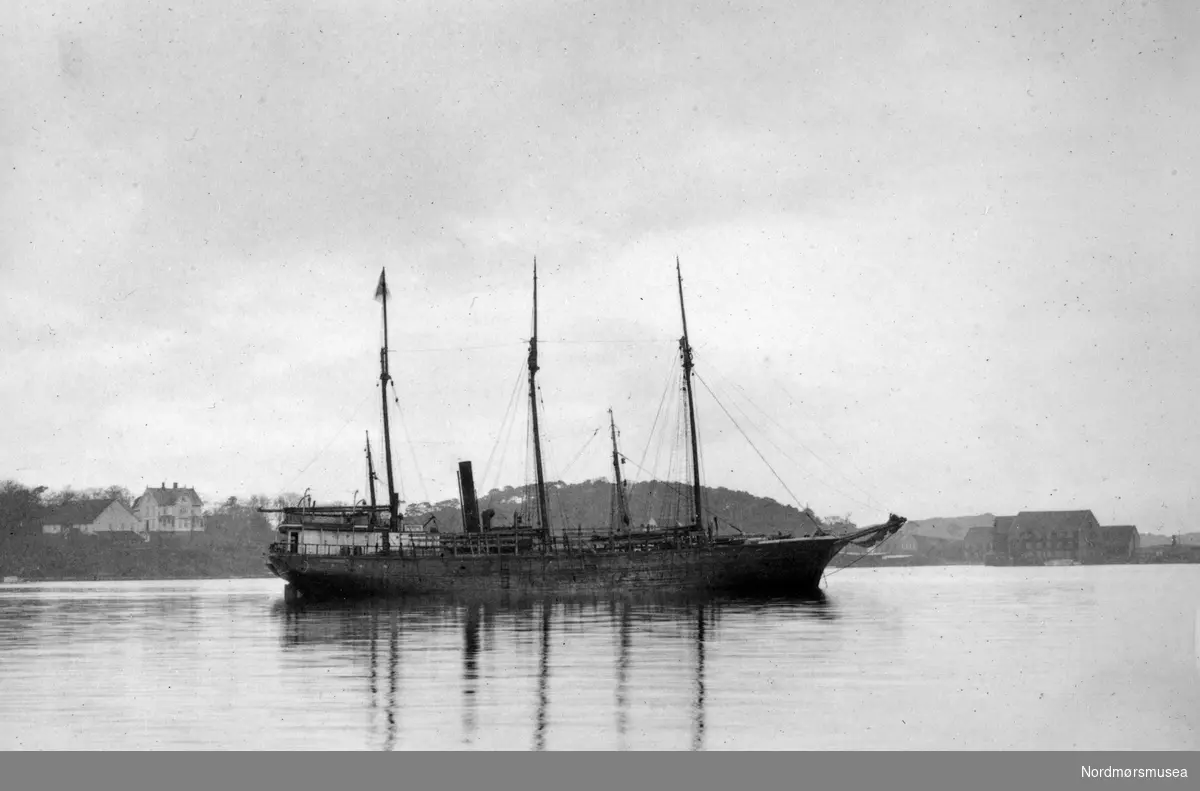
<point x="236" y="533"/>
<point x="231" y="545"/>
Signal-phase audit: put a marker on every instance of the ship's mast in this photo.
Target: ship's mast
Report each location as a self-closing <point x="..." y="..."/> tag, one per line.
<point x="543" y="511"/>
<point x="371" y="479"/>
<point x="622" y="515"/>
<point x="686" y="350"/>
<point x="381" y="293"/>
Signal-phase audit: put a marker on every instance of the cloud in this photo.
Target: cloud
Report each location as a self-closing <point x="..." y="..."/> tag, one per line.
<point x="928" y="242"/>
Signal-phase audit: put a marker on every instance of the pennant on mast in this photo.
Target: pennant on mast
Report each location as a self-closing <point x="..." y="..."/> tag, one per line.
<point x="381" y="290"/>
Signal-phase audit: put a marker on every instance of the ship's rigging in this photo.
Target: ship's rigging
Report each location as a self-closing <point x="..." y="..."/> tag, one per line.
<point x="667" y="487"/>
<point x="351" y="550"/>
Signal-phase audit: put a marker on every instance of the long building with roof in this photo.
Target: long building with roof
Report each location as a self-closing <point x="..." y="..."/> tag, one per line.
<point x="1034" y="537"/>
<point x="1121" y="542"/>
<point x="91" y="516"/>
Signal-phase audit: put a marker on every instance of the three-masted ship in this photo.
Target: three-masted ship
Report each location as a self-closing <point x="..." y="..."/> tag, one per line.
<point x="331" y="552"/>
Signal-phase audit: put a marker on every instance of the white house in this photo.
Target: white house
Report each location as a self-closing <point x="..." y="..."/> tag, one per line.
<point x="92" y="517"/>
<point x="173" y="510"/>
<point x="903" y="543"/>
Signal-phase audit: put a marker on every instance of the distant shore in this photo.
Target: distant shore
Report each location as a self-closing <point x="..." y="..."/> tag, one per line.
<point x="888" y="561"/>
<point x="94" y="558"/>
<point x="111" y="578"/>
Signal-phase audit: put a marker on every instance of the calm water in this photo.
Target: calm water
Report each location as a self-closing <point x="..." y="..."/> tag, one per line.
<point x="926" y="658"/>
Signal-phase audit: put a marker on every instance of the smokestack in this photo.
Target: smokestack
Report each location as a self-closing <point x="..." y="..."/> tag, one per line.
<point x="466" y="496"/>
<point x="175" y="485"/>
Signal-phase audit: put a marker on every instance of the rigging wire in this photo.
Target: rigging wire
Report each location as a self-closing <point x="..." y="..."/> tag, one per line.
<point x="455" y="348"/>
<point x="869" y="552"/>
<point x="750" y="421"/>
<point x="705" y="496"/>
<point x="639" y="491"/>
<point x="671" y="376"/>
<point x="831" y="487"/>
<point x="702" y="475"/>
<point x="353" y="415"/>
<point x="817" y="426"/>
<point x="505" y="432"/>
<point x="752" y="445"/>
<point x="527" y="512"/>
<point x="398" y="468"/>
<point x="649" y="485"/>
<point x="504" y="443"/>
<point x="680" y="460"/>
<point x="547" y="452"/>
<point x="577" y="456"/>
<point x="625" y="342"/>
<point x="554" y="505"/>
<point x="626" y="460"/>
<point x="524" y="342"/>
<point x="663" y="415"/>
<point x="411" y="449"/>
<point x="874" y="503"/>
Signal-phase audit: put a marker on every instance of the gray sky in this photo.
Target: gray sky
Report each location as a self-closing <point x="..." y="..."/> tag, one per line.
<point x="949" y="249"/>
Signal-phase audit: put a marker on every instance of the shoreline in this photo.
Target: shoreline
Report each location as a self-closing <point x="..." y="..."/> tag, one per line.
<point x="150" y="578"/>
<point x="861" y="566"/>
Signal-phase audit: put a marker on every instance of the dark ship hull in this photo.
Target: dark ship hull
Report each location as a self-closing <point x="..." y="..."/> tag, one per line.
<point x="785" y="566"/>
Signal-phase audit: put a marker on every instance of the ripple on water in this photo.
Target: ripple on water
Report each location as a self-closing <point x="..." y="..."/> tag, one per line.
<point x="953" y="658"/>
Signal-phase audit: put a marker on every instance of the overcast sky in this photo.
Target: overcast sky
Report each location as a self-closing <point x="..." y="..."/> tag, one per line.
<point x="939" y="258"/>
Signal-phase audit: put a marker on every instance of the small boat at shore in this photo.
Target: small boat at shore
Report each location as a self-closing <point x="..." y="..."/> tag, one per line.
<point x="1062" y="562"/>
<point x="342" y="552"/>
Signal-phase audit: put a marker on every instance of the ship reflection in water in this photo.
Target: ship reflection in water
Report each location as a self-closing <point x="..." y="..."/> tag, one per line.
<point x="931" y="658"/>
<point x="535" y="674"/>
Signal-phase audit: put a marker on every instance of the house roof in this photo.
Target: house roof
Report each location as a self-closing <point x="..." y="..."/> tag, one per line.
<point x="1118" y="533"/>
<point x="978" y="535"/>
<point x="1003" y="524"/>
<point x="954" y="527"/>
<point x="77" y="512"/>
<point x="926" y="542"/>
<point x="168" y="496"/>
<point x="1053" y="520"/>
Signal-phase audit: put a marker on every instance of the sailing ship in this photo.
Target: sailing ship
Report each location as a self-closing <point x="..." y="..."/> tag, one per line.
<point x="341" y="552"/>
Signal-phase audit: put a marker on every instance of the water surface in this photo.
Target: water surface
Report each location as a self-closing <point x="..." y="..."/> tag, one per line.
<point x="922" y="658"/>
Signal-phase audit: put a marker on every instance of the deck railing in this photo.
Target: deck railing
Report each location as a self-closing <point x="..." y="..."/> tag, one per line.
<point x="499" y="542"/>
<point x="346" y="550"/>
